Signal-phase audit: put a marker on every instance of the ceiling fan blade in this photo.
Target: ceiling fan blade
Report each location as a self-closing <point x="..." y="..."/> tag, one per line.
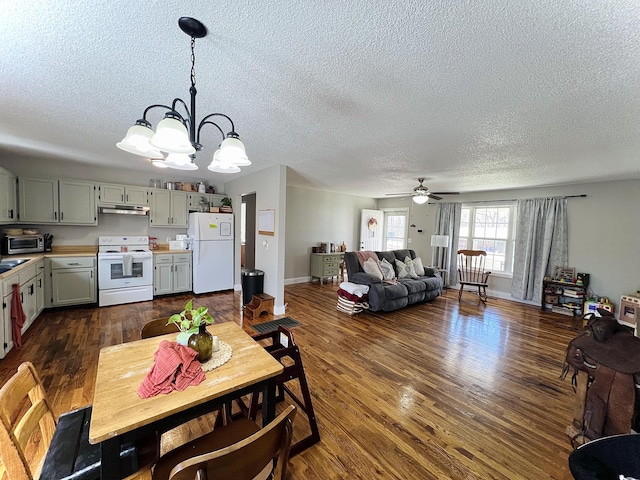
<point x="447" y="193"/>
<point x="435" y="197"/>
<point x="398" y="194"/>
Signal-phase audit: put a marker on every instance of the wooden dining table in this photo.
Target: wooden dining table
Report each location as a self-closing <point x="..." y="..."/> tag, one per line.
<point x="120" y="415"/>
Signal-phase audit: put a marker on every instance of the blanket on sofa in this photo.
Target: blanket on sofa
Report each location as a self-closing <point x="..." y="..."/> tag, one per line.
<point x="364" y="255"/>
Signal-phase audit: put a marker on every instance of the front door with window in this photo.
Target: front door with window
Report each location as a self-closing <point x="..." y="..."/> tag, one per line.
<point x="371" y="229"/>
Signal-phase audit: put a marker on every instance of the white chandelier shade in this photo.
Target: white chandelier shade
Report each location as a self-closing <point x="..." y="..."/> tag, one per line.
<point x="232" y="151"/>
<point x="180" y="161"/>
<point x="172" y="137"/>
<point x="420" y="199"/>
<point x="137" y="141"/>
<point x="220" y="167"/>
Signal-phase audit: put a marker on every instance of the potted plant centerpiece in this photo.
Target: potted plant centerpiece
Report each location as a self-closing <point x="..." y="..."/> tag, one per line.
<point x="192" y="323"/>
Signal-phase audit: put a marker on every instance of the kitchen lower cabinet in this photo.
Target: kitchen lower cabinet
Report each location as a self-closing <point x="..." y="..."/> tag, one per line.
<point x="172" y="273"/>
<point x="72" y="280"/>
<point x="28" y="277"/>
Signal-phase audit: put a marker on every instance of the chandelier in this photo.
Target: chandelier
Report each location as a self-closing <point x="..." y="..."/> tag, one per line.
<point x="177" y="135"/>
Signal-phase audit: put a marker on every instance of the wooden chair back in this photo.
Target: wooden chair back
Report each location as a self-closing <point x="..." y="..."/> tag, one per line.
<point x="25" y="412"/>
<point x="471" y="267"/>
<point x="247" y="458"/>
<point x="157" y="327"/>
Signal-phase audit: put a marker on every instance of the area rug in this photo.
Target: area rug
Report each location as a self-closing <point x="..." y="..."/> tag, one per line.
<point x="272" y="325"/>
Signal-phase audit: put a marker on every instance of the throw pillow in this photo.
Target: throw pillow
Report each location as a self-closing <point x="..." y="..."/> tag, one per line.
<point x="417" y="265"/>
<point x="412" y="270"/>
<point x="371" y="267"/>
<point x="404" y="270"/>
<point x="388" y="271"/>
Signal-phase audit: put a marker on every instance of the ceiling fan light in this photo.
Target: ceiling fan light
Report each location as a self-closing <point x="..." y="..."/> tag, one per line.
<point x="172" y="136"/>
<point x="137" y="141"/>
<point x="219" y="167"/>
<point x="420" y="199"/>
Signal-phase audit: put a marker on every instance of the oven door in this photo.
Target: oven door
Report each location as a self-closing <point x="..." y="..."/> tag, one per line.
<point x="124" y="270"/>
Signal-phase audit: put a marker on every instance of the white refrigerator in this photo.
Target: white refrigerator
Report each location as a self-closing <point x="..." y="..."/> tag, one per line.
<point x="212" y="237"/>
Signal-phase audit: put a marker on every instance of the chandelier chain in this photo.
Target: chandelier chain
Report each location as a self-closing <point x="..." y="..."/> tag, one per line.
<point x="193" y="61"/>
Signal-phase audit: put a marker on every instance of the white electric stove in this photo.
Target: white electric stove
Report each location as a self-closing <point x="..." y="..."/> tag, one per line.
<point x="125" y="270"/>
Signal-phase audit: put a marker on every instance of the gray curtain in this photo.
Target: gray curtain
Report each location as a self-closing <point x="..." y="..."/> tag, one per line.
<point x="448" y="223"/>
<point x="541" y="244"/>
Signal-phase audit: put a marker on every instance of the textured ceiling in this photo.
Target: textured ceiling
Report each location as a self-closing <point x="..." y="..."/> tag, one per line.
<point x="359" y="97"/>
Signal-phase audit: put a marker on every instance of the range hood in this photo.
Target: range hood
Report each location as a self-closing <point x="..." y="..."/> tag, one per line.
<point x="123" y="209"/>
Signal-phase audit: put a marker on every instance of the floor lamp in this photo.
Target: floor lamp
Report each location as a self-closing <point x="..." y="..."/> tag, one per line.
<point x="441" y="241"/>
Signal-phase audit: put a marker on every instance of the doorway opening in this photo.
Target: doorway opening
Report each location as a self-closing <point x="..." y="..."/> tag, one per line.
<point x="248" y="231"/>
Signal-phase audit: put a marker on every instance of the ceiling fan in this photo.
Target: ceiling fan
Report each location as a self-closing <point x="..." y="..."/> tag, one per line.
<point x="421" y="194"/>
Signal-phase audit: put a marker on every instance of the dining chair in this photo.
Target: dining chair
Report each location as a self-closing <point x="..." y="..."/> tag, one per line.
<point x="157" y="327"/>
<point x="31" y="437"/>
<point x="282" y="346"/>
<point x="237" y="451"/>
<point x="471" y="272"/>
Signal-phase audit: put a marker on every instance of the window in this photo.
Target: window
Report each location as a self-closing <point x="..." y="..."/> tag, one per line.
<point x="492" y="229"/>
<point x="395" y="230"/>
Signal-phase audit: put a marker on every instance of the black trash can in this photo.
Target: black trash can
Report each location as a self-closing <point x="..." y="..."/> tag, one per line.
<point x="252" y="284"/>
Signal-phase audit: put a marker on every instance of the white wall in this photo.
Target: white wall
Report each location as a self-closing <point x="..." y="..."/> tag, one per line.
<point x="315" y="216"/>
<point x="269" y="186"/>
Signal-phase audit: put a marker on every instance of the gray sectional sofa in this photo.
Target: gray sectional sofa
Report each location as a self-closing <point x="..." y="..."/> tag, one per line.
<point x="388" y="297"/>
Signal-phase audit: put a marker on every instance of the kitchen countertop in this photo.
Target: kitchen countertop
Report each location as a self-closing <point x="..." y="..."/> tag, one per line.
<point x="74" y="251"/>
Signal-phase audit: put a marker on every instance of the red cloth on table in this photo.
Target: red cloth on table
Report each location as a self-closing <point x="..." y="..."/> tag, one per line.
<point x="17" y="316"/>
<point x="175" y="368"/>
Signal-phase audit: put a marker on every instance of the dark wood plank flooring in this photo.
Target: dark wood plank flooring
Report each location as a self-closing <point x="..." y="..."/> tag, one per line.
<point x="434" y="391"/>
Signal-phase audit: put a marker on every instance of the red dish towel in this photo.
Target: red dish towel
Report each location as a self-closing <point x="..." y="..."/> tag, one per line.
<point x="175" y="368"/>
<point x="17" y="316"/>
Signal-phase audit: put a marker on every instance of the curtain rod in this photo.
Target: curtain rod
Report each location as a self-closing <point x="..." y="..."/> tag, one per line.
<point x="513" y="199"/>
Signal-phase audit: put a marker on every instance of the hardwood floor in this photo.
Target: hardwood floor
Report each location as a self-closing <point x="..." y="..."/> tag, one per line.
<point x="434" y="391"/>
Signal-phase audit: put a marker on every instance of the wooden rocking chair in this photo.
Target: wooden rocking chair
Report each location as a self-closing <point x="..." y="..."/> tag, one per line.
<point x="471" y="272"/>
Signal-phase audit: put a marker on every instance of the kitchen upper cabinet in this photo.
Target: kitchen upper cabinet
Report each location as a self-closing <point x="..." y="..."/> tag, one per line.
<point x="167" y="208"/>
<point x="71" y="202"/>
<point x="122" y="195"/>
<point x="8" y="212"/>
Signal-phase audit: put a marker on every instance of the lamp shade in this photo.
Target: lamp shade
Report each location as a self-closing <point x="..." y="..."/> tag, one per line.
<point x="439" y="240"/>
<point x="232" y="151"/>
<point x="137" y="141"/>
<point x="220" y="167"/>
<point x="172" y="137"/>
<point x="159" y="162"/>
<point x="180" y="161"/>
<point x="420" y="199"/>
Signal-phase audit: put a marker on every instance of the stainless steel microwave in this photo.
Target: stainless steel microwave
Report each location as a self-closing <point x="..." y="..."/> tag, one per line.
<point x="12" y="245"/>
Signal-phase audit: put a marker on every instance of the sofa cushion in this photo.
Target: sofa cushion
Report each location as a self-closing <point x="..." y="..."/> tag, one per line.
<point x="402" y="254"/>
<point x="393" y="291"/>
<point x="404" y="270"/>
<point x="388" y="256"/>
<point x="417" y="265"/>
<point x="388" y="272"/>
<point x="413" y="286"/>
<point x="371" y="267"/>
